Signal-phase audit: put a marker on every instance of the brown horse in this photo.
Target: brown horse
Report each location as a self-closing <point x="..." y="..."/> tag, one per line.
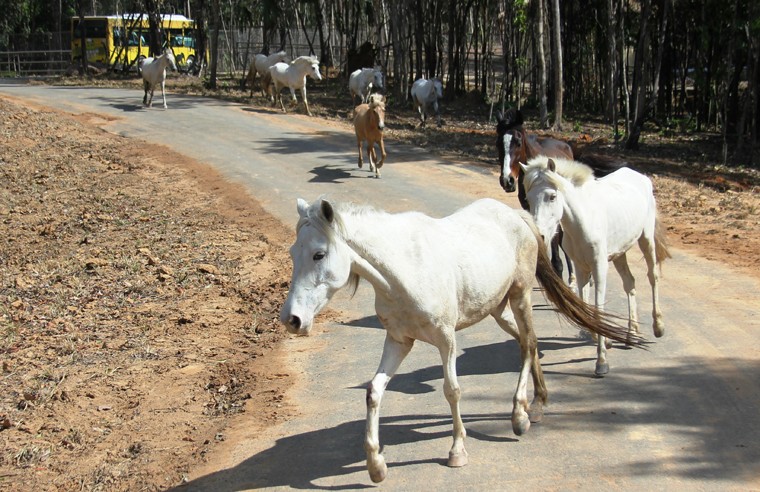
<point x="515" y="146"/>
<point x="369" y="122"/>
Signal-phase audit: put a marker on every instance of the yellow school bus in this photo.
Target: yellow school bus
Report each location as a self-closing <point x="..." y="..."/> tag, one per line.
<point x="117" y="41"/>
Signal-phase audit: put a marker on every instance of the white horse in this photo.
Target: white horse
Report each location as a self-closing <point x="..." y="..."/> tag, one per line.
<point x="260" y="66"/>
<point x="361" y="81"/>
<point x="293" y="76"/>
<point x="601" y="219"/>
<point x="154" y="72"/>
<point x="431" y="278"/>
<point x="425" y="94"/>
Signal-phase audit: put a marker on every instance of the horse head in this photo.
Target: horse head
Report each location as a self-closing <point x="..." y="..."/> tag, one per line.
<point x="438" y="87"/>
<point x="310" y="66"/>
<point x="321" y="265"/>
<point x="169" y="54"/>
<point x="377" y="111"/>
<point x="509" y="144"/>
<point x="378" y="77"/>
<point x="544" y="193"/>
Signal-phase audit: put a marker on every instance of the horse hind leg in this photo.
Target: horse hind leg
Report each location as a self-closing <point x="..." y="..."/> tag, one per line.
<point x="647" y="246"/>
<point x="393" y="354"/>
<point x="526" y="336"/>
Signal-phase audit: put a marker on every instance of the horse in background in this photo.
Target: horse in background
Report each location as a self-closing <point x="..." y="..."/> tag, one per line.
<point x="602" y="219"/>
<point x="260" y="66"/>
<point x="425" y="95"/>
<point x="153" y="72"/>
<point x="369" y="123"/>
<point x="293" y="76"/>
<point x="361" y="82"/>
<point x="433" y="277"/>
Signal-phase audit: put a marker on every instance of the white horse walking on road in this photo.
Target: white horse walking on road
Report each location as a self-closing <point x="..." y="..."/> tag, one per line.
<point x="260" y="66"/>
<point x="154" y="72"/>
<point x="425" y="94"/>
<point x="601" y="220"/>
<point x="293" y="76"/>
<point x="433" y="277"/>
<point x="361" y="82"/>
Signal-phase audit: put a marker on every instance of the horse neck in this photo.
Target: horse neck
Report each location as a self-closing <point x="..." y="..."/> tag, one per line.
<point x="576" y="213"/>
<point x="367" y="237"/>
<point x="530" y="148"/>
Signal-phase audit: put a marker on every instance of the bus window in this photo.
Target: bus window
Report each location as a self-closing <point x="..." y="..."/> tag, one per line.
<point x="93" y="28"/>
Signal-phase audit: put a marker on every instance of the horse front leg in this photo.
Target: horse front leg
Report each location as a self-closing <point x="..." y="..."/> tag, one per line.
<point x="359" y="144"/>
<point x="163" y="93"/>
<point x="382" y="152"/>
<point x="600" y="285"/>
<point x="556" y="258"/>
<point x="371" y="156"/>
<point x="437" y="114"/>
<point x="394" y="353"/>
<point x="629" y="286"/>
<point x="146" y="88"/>
<point x="447" y="348"/>
<point x="305" y="101"/>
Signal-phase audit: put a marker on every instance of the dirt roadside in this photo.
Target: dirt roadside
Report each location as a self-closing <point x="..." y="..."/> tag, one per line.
<point x="139" y="295"/>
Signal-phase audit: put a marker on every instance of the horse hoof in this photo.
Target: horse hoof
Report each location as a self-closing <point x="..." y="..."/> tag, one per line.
<point x="659" y="330"/>
<point x="520" y="425"/>
<point x="602" y="368"/>
<point x="457" y="460"/>
<point x="378" y="472"/>
<point x="536" y="413"/>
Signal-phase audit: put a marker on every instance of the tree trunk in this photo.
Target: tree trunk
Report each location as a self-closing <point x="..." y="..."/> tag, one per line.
<point x="216" y="19"/>
<point x="644" y="107"/>
<point x="611" y="66"/>
<point x="542" y="76"/>
<point x="558" y="86"/>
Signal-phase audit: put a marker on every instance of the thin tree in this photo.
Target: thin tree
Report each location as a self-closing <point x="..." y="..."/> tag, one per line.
<point x="557" y="67"/>
<point x="542" y="75"/>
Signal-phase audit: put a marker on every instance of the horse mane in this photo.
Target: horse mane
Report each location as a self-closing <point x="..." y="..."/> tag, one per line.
<point x="305" y="60"/>
<point x="575" y="172"/>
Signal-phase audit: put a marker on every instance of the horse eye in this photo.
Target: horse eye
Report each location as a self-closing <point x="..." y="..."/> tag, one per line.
<point x="552" y="198"/>
<point x="319" y="255"/>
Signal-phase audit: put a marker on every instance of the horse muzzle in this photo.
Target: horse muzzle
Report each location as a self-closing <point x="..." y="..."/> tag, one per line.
<point x="295" y="325"/>
<point x="508" y="183"/>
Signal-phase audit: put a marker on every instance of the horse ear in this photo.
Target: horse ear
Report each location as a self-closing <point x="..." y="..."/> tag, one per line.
<point x="518" y="117"/>
<point x="551" y="165"/>
<point x="524" y="167"/>
<point x="327" y="211"/>
<point x="302" y="207"/>
<point x="499" y="116"/>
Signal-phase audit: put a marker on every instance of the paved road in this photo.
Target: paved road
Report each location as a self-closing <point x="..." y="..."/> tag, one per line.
<point x="683" y="415"/>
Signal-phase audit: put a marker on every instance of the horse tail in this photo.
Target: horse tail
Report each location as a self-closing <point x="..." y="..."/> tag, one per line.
<point x="661" y="251"/>
<point x="572" y="307"/>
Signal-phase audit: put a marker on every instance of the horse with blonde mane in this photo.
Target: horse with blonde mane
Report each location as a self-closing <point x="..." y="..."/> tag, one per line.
<point x="433" y="277"/>
<point x="369" y="123"/>
<point x="601" y="220"/>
